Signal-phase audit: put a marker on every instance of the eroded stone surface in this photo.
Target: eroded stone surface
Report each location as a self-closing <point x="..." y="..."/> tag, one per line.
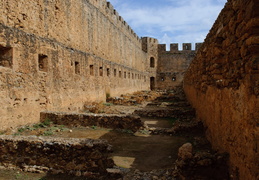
<point x="56" y="155"/>
<point x="222" y="84"/>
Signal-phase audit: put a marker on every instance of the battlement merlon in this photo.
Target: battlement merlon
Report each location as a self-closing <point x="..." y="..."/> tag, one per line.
<point x="187" y="46"/>
<point x="174" y="47"/>
<point x="107" y="9"/>
<point x="161" y="48"/>
<point x="110" y="6"/>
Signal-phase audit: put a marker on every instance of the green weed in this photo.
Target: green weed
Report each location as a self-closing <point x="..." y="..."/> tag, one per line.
<point x="94" y="127"/>
<point x="107" y="104"/>
<point x="49" y="132"/>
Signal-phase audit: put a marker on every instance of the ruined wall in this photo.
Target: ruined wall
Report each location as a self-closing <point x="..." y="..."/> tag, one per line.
<point x="57" y="55"/>
<point x="128" y="122"/>
<point x="171" y="65"/>
<point x="222" y="83"/>
<point x="81" y="157"/>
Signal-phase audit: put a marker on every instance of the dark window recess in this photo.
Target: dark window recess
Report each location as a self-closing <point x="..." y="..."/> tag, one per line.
<point x="101" y="71"/>
<point x="77" y="67"/>
<point x="108" y="72"/>
<point x="129" y="75"/>
<point x="115" y="72"/>
<point x="91" y="70"/>
<point x="152" y="62"/>
<point x="6" y="57"/>
<point x="120" y="75"/>
<point x="125" y="75"/>
<point x="43" y="62"/>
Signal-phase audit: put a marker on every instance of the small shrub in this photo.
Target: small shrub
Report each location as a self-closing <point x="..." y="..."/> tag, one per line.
<point x="128" y="131"/>
<point x="47" y="122"/>
<point x="94" y="127"/>
<point x="48" y="133"/>
<point x="107" y="104"/>
<point x="146" y="132"/>
<point x="20" y="130"/>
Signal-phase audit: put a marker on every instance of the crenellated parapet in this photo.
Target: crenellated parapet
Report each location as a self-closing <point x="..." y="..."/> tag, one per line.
<point x="108" y="10"/>
<point x="174" y="47"/>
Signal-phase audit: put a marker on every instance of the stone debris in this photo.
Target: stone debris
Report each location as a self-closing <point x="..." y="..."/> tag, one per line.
<point x="134" y="99"/>
<point x="185" y="151"/>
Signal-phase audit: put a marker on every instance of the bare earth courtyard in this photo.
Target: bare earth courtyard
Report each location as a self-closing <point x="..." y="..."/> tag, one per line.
<point x="149" y="153"/>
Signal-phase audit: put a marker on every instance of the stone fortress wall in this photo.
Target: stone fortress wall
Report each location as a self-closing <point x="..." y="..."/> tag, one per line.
<point x="173" y="64"/>
<point x="222" y="84"/>
<point x="58" y="54"/>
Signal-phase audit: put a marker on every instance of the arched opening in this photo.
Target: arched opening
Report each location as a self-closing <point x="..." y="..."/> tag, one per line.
<point x="152" y="83"/>
<point x="152" y="62"/>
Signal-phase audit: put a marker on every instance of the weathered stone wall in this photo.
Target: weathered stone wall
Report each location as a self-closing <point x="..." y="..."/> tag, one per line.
<point x="128" y="122"/>
<point x="171" y="65"/>
<point x="57" y="55"/>
<point x="150" y="46"/>
<point x="222" y="83"/>
<point x="81" y="157"/>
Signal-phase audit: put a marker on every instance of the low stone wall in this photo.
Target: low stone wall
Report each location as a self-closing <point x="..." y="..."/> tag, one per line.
<point x="82" y="157"/>
<point x="167" y="113"/>
<point x="102" y="120"/>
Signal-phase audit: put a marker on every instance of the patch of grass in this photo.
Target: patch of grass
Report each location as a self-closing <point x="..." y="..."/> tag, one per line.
<point x="49" y="132"/>
<point x="44" y="124"/>
<point x="127" y="131"/>
<point x="63" y="129"/>
<point x="146" y="132"/>
<point x="21" y="176"/>
<point x="107" y="104"/>
<point x="16" y="134"/>
<point x="94" y="127"/>
<point x="22" y="129"/>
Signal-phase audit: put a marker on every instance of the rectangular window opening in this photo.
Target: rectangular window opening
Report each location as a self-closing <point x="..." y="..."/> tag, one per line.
<point x="92" y="70"/>
<point x="77" y="67"/>
<point x="101" y="71"/>
<point x="43" y="62"/>
<point x="125" y="75"/>
<point x="6" y="57"/>
<point x="115" y="72"/>
<point x="120" y="75"/>
<point x="108" y="72"/>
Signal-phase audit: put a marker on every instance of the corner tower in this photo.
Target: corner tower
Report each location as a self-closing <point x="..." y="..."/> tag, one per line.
<point x="150" y="46"/>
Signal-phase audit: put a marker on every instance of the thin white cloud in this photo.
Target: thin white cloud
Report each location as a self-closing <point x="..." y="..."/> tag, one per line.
<point x="185" y="20"/>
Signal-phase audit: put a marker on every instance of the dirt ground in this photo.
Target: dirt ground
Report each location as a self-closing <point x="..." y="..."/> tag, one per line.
<point x="150" y="153"/>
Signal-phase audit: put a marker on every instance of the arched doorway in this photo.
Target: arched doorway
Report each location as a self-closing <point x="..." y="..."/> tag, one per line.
<point x="152" y="83"/>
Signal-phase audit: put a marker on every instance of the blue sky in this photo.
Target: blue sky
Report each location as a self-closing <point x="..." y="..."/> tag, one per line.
<point x="170" y="21"/>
